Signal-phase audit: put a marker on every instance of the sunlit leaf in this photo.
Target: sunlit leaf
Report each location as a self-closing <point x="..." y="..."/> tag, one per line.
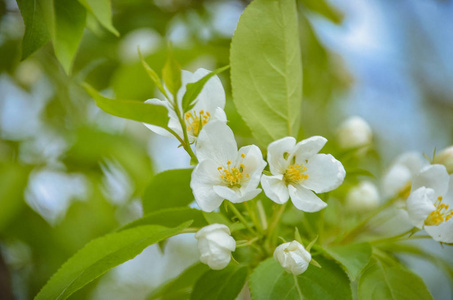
<point x="171" y="74"/>
<point x="266" y="69"/>
<point x="102" y="254"/>
<point x="102" y="10"/>
<point x="129" y="109"/>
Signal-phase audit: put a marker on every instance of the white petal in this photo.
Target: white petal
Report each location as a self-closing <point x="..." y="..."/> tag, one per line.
<point x="275" y="188"/>
<point x="309" y="147"/>
<point x="253" y="165"/>
<point x="204" y="177"/>
<point x="216" y="141"/>
<point x="219" y="114"/>
<point x="397" y="178"/>
<point x="441" y="233"/>
<point x="325" y="173"/>
<point x="275" y="152"/>
<point x="236" y="195"/>
<point x="227" y="193"/>
<point x="157" y="129"/>
<point x="420" y="204"/>
<point x="212" y="228"/>
<point x="434" y="177"/>
<point x="304" y="199"/>
<point x="212" y="95"/>
<point x="414" y="161"/>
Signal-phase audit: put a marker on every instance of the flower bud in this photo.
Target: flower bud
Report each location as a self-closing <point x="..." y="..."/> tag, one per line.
<point x="215" y="244"/>
<point x="362" y="197"/>
<point x="293" y="257"/>
<point x="354" y="132"/>
<point x="445" y="157"/>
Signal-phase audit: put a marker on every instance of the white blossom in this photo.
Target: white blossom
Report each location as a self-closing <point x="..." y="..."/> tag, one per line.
<point x="445" y="157"/>
<point x="298" y="170"/>
<point x="429" y="203"/>
<point x="363" y="197"/>
<point x="292" y="257"/>
<point x="354" y="132"/>
<point x="209" y="106"/>
<point x="398" y="179"/>
<point x="215" y="244"/>
<point x="224" y="172"/>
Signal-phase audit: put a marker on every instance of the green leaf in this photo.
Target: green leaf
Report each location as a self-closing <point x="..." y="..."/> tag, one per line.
<point x="102" y="10"/>
<point x="171" y="74"/>
<point x="180" y="287"/>
<point x="100" y="255"/>
<point x="395" y="283"/>
<point x="168" y="189"/>
<point x="65" y="21"/>
<point x="36" y="34"/>
<point x="266" y="69"/>
<point x="270" y="281"/>
<point x="354" y="257"/>
<point x="129" y="109"/>
<point x="170" y="217"/>
<point x="194" y="89"/>
<point x="152" y="74"/>
<point x="224" y="284"/>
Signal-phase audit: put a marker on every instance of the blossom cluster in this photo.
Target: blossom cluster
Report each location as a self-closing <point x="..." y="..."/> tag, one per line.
<point x="296" y="171"/>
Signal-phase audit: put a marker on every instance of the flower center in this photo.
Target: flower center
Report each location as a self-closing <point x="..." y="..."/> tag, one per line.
<point x="196" y="121"/>
<point x="294" y="174"/>
<point x="440" y="214"/>
<point x="233" y="177"/>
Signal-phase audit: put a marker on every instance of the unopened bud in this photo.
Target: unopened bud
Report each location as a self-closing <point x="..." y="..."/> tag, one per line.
<point x="354" y="132"/>
<point x="363" y="197"/>
<point x="292" y="257"/>
<point x="445" y="157"/>
<point x="215" y="244"/>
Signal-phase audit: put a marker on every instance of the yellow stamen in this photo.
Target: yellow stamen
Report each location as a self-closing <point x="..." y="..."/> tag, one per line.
<point x="243" y="155"/>
<point x="196" y="121"/>
<point x="233" y="176"/>
<point x="294" y="172"/>
<point x="440" y="214"/>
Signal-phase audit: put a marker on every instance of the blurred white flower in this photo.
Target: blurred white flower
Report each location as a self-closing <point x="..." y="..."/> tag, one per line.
<point x="398" y="179"/>
<point x="362" y="197"/>
<point x="224" y="172"/>
<point x="298" y="170"/>
<point x="209" y="106"/>
<point x="429" y="203"/>
<point x="354" y="132"/>
<point x="146" y="39"/>
<point x="292" y="257"/>
<point x="445" y="157"/>
<point x="215" y="244"/>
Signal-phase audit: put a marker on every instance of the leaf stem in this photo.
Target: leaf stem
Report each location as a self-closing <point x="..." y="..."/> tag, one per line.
<point x="274" y="222"/>
<point x="241" y="218"/>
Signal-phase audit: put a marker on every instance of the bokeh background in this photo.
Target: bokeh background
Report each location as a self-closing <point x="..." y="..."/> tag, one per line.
<point x="70" y="172"/>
